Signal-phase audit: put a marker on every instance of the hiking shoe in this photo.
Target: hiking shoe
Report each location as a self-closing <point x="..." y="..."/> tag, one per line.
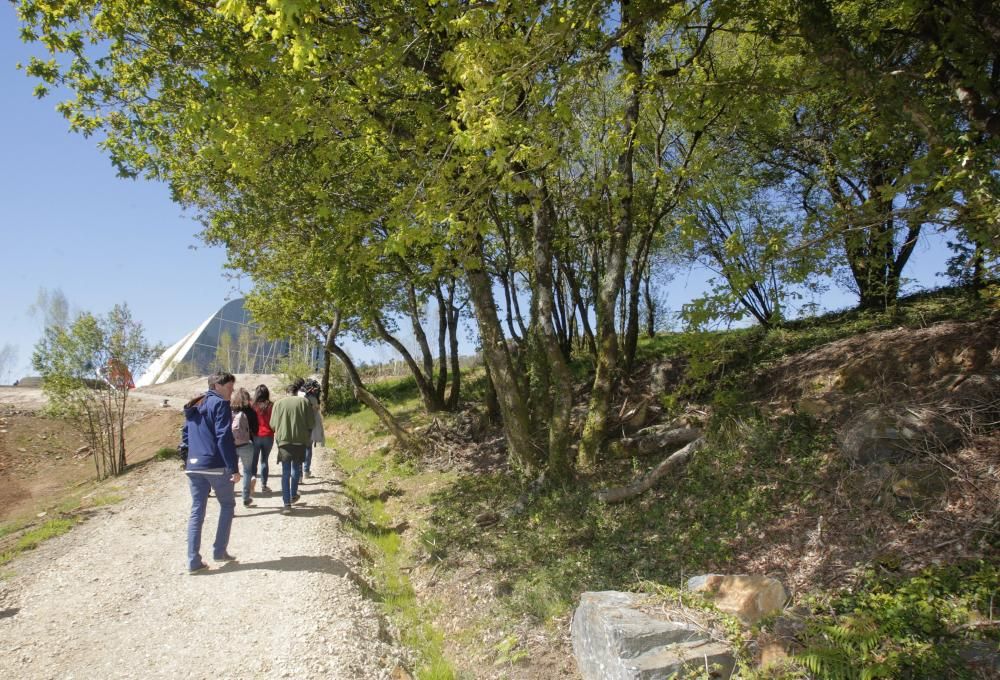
<point x="247" y="503"/>
<point x="200" y="568"/>
<point x="265" y="488"/>
<point x="295" y="498"/>
<point x="308" y="474"/>
<point x="287" y="510"/>
<point x="225" y="557"/>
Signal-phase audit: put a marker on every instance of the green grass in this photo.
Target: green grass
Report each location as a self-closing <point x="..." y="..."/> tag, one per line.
<point x="719" y="361"/>
<point x="166" y="453"/>
<point x="66" y="513"/>
<point x="366" y="474"/>
<point x="8" y="528"/>
<point x="567" y="542"/>
<point x="34" y="537"/>
<point x="393" y="390"/>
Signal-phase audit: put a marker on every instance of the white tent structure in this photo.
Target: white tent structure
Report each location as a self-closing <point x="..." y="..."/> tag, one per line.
<point x="229" y="339"/>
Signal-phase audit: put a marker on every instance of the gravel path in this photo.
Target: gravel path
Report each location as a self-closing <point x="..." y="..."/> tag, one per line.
<point x="112" y="598"/>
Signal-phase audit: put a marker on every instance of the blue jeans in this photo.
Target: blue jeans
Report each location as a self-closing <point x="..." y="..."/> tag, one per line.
<point x="201" y="484"/>
<point x="245" y="453"/>
<point x="261" y="451"/>
<point x="306" y="463"/>
<point x="290" y="472"/>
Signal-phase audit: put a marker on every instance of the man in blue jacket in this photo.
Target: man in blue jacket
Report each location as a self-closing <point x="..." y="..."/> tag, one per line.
<point x="210" y="465"/>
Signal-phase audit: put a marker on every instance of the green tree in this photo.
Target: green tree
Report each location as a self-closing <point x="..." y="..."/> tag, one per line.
<point x="86" y="368"/>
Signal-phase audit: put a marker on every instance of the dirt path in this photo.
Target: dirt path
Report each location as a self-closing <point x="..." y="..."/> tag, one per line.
<point x="112" y="598"/>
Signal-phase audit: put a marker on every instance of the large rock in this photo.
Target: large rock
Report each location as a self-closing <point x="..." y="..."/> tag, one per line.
<point x="613" y="639"/>
<point x="892" y="433"/>
<point x="749" y="598"/>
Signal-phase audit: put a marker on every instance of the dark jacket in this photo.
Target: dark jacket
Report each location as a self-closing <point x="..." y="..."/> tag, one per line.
<point x="208" y="434"/>
<point x="292" y="419"/>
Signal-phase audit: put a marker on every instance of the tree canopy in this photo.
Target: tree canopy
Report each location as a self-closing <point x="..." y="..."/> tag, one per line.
<point x="359" y="159"/>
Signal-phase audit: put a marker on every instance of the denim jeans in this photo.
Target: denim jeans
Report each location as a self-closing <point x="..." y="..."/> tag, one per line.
<point x="309" y="457"/>
<point x="201" y="483"/>
<point x="261" y="452"/>
<point x="245" y="452"/>
<point x="290" y="472"/>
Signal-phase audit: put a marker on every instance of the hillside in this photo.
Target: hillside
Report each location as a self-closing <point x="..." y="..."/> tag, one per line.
<point x="844" y="456"/>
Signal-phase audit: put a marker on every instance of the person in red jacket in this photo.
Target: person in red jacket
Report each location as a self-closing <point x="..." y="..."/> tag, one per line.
<point x="263" y="440"/>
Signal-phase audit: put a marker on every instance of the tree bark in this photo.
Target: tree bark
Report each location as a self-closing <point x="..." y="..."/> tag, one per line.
<point x="456" y="374"/>
<point x="595" y="428"/>
<point x="371" y="401"/>
<point x="512" y="400"/>
<point x="443" y="317"/>
<point x="584" y="310"/>
<point x="650" y="305"/>
<point x="643" y="484"/>
<point x="418" y="333"/>
<point x="327" y="357"/>
<point x="639" y="265"/>
<point x="425" y="388"/>
<point x="657" y="438"/>
<point x="560" y="388"/>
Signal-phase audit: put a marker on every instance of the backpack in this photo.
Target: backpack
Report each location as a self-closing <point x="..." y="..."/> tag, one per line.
<point x="241" y="429"/>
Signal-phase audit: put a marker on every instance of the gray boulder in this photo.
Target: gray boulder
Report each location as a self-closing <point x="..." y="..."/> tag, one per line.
<point x="892" y="433"/>
<point x="613" y="639"/>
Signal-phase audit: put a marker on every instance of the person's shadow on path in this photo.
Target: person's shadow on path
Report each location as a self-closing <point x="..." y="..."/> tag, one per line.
<point x="320" y="564"/>
<point x="298" y="510"/>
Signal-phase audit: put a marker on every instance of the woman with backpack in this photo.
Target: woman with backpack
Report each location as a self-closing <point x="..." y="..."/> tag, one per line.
<point x="263" y="439"/>
<point x="244" y="426"/>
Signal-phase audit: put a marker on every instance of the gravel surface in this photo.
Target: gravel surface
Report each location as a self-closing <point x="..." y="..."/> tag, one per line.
<point x="113" y="599"/>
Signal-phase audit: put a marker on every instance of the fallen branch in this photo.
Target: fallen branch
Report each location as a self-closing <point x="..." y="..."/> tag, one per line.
<point x="656" y="438"/>
<point x="676" y="459"/>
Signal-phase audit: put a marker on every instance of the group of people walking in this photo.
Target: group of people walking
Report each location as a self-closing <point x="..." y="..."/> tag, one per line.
<point x="225" y="429"/>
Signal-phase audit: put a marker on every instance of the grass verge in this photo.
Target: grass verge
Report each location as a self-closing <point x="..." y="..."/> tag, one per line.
<point x="366" y="475"/>
<point x="30" y="539"/>
<point x="67" y="512"/>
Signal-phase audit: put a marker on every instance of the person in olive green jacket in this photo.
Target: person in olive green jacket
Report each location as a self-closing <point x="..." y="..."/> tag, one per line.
<point x="292" y="420"/>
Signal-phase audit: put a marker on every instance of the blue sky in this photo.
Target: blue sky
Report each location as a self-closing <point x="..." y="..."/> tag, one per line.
<point x="68" y="222"/>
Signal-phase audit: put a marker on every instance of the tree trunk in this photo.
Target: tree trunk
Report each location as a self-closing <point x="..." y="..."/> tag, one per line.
<point x="560" y="387"/>
<point x="327" y="356"/>
<point x="676" y="459"/>
<point x="650" y="305"/>
<point x="371" y="401"/>
<point x="443" y="314"/>
<point x="512" y="400"/>
<point x="456" y="373"/>
<point x="418" y="333"/>
<point x="574" y="289"/>
<point x="492" y="404"/>
<point x="639" y="265"/>
<point x="431" y="403"/>
<point x="594" y="429"/>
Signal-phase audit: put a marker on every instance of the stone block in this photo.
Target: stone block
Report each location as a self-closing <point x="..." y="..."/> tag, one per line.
<point x="613" y="639"/>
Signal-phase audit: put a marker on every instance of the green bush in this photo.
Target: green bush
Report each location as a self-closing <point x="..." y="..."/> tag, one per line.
<point x="167" y="453"/>
<point x="899" y="626"/>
